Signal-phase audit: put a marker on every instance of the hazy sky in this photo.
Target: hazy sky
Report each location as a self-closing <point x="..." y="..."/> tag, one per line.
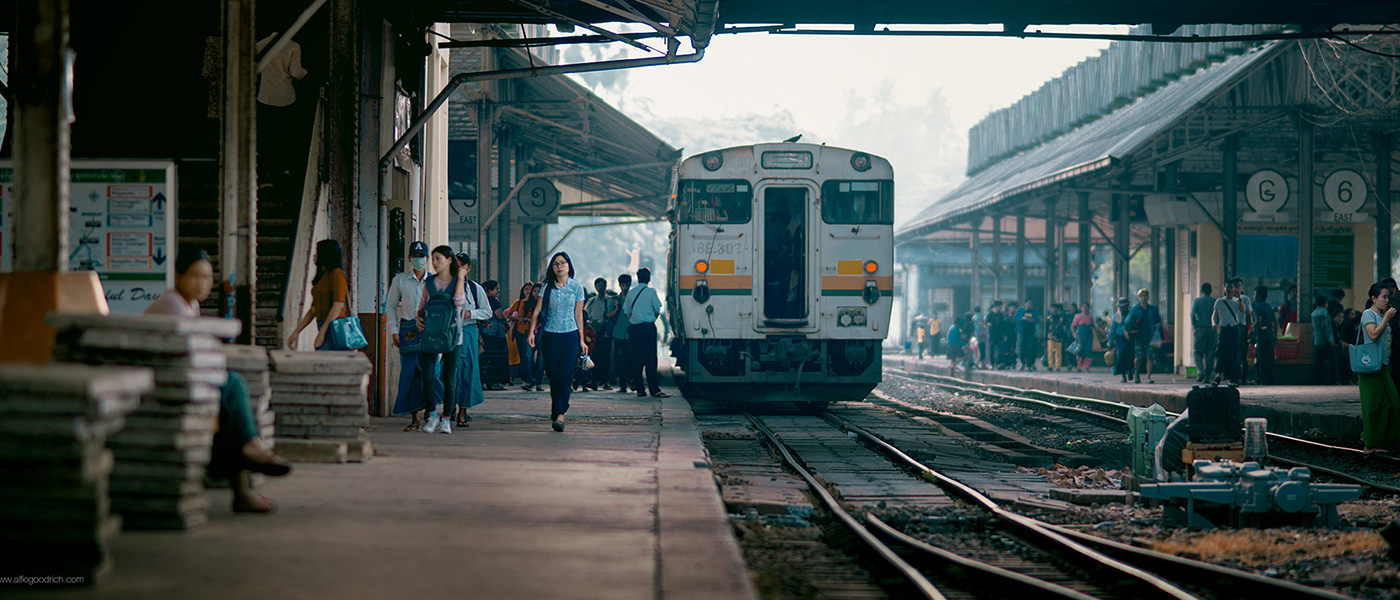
<point x="909" y="99"/>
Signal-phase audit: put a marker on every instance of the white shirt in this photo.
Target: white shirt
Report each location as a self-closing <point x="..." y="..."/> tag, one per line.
<point x="275" y="83"/>
<point x="405" y="291"/>
<point x="642" y="305"/>
<point x="478" y="306"/>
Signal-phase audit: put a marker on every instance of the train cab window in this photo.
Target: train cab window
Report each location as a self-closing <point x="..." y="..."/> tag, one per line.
<point x="858" y="202"/>
<point x="714" y="201"/>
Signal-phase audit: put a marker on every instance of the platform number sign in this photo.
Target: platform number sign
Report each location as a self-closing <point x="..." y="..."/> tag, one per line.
<point x="1267" y="193"/>
<point x="1344" y="191"/>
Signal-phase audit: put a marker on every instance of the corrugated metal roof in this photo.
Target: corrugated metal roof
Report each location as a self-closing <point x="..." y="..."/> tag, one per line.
<point x="1090" y="148"/>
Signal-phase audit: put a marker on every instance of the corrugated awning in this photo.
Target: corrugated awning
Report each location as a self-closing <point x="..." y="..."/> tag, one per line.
<point x="565" y="127"/>
<point x="1095" y="146"/>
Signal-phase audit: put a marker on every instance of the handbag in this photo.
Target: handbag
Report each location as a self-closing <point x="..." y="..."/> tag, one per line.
<point x="1365" y="358"/>
<point x="346" y="334"/>
<point x="1074" y="347"/>
<point x="493" y="327"/>
<point x="1109" y="357"/>
<point x="585" y="361"/>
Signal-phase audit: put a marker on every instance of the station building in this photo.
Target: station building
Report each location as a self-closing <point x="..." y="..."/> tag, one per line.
<point x="1163" y="166"/>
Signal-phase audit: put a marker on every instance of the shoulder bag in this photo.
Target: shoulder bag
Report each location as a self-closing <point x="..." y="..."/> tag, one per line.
<point x="346" y="334"/>
<point x="1365" y="358"/>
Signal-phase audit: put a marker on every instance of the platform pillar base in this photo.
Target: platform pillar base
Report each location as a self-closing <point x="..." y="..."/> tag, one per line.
<point x="26" y="296"/>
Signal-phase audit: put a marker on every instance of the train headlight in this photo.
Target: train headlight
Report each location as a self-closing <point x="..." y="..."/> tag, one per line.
<point x="871" y="267"/>
<point x="702" y="267"/>
<point x="860" y="161"/>
<point x="871" y="293"/>
<point x="850" y="316"/>
<point x="713" y="161"/>
<point x="701" y="293"/>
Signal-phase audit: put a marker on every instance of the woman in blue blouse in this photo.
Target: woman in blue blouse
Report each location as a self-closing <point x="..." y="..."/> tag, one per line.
<point x="562" y="339"/>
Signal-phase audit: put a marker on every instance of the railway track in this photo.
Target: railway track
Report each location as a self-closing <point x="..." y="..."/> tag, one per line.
<point x="1036" y="557"/>
<point x="1346" y="461"/>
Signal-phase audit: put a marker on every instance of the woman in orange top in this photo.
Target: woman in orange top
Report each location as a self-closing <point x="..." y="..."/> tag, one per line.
<point x="328" y="293"/>
<point x="531" y="363"/>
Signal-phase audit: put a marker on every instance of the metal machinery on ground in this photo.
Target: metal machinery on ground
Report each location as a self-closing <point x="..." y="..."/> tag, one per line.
<point x="781" y="266"/>
<point x="1231" y="494"/>
<point x="1218" y="454"/>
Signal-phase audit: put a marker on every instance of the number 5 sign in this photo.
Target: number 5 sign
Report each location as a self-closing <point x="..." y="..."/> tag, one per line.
<point x="1345" y="193"/>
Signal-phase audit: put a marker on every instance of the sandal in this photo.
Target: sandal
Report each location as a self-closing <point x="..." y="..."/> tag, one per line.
<point x="413" y="427"/>
<point x="257" y="504"/>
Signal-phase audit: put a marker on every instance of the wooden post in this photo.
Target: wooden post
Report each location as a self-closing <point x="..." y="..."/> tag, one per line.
<point x="41" y="137"/>
<point x="996" y="255"/>
<point x="1021" y="256"/>
<point x="1383" y="144"/>
<point x="1122" y="235"/>
<point x="238" y="226"/>
<point x="1305" y="208"/>
<point x="1086" y="264"/>
<point x="1229" y="207"/>
<point x="976" y="292"/>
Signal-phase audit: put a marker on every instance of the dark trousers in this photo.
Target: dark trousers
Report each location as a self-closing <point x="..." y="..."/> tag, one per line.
<point x="1323" y="371"/>
<point x="1028" y="350"/>
<point x="622" y="362"/>
<point x="1228" y="363"/>
<point x="530" y="365"/>
<point x="643" y="338"/>
<point x="1203" y="349"/>
<point x="1264" y="359"/>
<point x="602" y="360"/>
<point x="560" y="355"/>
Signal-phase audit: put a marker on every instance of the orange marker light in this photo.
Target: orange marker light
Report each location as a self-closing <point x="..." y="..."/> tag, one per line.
<point x="871" y="267"/>
<point x="701" y="267"/>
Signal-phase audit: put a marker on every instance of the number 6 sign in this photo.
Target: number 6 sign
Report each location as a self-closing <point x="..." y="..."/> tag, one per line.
<point x="1344" y="191"/>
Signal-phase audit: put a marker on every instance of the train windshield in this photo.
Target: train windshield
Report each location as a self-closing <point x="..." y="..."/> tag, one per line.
<point x="714" y="201"/>
<point x="858" y="202"/>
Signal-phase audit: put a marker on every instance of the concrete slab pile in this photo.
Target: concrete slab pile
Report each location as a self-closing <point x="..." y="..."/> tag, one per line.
<point x="322" y="406"/>
<point x="162" y="453"/>
<point x="55" y="420"/>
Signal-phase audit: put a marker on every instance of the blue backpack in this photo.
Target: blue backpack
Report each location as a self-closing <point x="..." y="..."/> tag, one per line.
<point x="442" y="321"/>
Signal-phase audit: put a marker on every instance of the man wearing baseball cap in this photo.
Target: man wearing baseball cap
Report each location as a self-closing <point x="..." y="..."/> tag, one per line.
<point x="404" y="293"/>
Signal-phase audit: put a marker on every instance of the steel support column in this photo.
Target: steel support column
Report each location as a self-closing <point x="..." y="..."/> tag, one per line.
<point x="485" y="132"/>
<point x="1384" y="221"/>
<point x="1305" y="208"/>
<point x="1229" y="206"/>
<point x="1155" y="283"/>
<point x="996" y="255"/>
<point x="238" y="222"/>
<point x="976" y="292"/>
<point x="1021" y="257"/>
<point x="1122" y="236"/>
<point x="1086" y="275"/>
<point x="41" y="137"/>
<point x="1051" y="276"/>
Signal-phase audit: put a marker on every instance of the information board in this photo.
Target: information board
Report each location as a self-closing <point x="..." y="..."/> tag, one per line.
<point x="1331" y="263"/>
<point x="121" y="225"/>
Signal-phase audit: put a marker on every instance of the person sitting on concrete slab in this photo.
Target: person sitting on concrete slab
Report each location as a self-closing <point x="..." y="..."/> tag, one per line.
<point x="238" y="448"/>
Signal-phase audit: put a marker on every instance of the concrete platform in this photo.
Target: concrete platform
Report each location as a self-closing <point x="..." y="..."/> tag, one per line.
<point x="1291" y="409"/>
<point x="622" y="505"/>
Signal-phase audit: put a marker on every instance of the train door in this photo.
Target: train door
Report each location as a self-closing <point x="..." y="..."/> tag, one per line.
<point x="785" y="253"/>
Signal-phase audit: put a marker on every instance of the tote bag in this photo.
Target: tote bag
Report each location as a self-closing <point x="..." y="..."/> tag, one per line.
<point x="346" y="334"/>
<point x="1365" y="358"/>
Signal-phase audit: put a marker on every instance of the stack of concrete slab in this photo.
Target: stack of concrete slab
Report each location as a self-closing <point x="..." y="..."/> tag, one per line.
<point x="54" y="423"/>
<point x="322" y="406"/>
<point x="251" y="362"/>
<point x="162" y="453"/>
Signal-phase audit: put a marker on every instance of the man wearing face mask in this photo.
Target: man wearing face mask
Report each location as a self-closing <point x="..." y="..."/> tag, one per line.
<point x="404" y="295"/>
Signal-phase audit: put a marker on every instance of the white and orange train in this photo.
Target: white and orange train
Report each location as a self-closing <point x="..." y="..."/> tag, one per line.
<point x="781" y="267"/>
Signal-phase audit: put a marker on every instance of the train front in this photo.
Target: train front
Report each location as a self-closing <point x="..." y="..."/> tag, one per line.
<point x="782" y="266"/>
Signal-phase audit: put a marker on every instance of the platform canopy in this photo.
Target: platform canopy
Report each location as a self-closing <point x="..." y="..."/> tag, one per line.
<point x="1092" y="149"/>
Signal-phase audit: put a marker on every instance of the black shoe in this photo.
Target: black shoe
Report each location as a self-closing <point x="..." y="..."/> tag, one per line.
<point x="641" y="394"/>
<point x="273" y="467"/>
<point x="660" y="395"/>
<point x="558" y="426"/>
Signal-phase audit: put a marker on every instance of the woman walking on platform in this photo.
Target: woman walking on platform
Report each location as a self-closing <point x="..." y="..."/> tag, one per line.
<point x="449" y="281"/>
<point x="1124" y="360"/>
<point x="1380" y="403"/>
<point x="1083" y="327"/>
<point x="560" y="311"/>
<point x="520" y="314"/>
<point x="328" y="294"/>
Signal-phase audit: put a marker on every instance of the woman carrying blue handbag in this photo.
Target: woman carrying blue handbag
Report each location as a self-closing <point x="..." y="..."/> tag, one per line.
<point x="335" y="328"/>
<point x="1380" y="404"/>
